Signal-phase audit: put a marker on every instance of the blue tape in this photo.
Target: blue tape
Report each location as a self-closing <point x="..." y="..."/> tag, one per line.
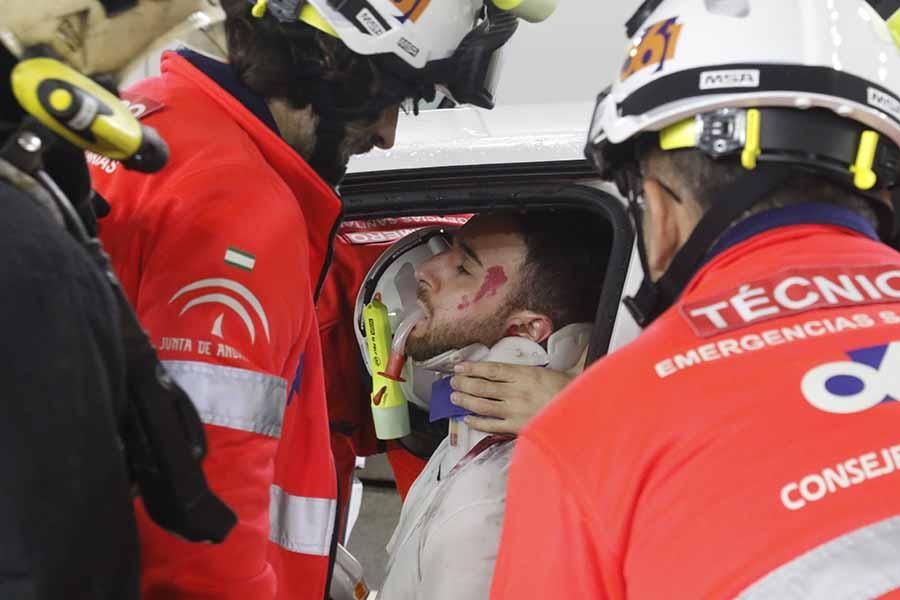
<point x="440" y="405"/>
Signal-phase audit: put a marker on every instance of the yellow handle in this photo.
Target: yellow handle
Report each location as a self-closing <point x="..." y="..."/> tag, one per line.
<point x="753" y="144"/>
<point x="682" y="134"/>
<point x="864" y="177"/>
<point x="894" y="25"/>
<point x="76" y="108"/>
<point x="259" y="9"/>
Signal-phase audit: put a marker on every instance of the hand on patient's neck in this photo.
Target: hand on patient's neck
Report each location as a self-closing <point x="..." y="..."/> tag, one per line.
<point x="504" y="397"/>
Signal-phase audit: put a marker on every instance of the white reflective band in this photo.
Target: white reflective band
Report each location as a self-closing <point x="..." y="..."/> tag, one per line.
<point x="299" y="524"/>
<point x="231" y="397"/>
<point x="862" y="564"/>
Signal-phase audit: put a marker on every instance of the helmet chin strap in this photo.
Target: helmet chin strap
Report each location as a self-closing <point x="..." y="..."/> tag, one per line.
<point x="729" y="203"/>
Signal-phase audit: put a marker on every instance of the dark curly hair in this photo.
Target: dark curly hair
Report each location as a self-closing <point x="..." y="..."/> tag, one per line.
<point x="304" y="66"/>
<point x="567" y="253"/>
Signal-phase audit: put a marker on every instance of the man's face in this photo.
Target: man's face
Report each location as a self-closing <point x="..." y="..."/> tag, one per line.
<point x="361" y="136"/>
<point x="332" y="151"/>
<point x="467" y="291"/>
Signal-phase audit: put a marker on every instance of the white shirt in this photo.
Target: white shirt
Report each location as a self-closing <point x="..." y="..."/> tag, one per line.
<point x="445" y="544"/>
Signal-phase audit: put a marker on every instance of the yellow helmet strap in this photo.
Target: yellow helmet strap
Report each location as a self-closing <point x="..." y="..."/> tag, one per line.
<point x="841" y="149"/>
<point x="288" y="11"/>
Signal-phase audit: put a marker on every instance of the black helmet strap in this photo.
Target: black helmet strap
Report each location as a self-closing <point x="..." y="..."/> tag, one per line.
<point x="729" y="203"/>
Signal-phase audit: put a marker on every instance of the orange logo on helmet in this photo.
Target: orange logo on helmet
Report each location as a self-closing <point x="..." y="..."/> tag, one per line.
<point x="657" y="45"/>
<point x="411" y="9"/>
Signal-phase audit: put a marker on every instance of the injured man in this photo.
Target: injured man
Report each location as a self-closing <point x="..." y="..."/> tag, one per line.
<point x="518" y="289"/>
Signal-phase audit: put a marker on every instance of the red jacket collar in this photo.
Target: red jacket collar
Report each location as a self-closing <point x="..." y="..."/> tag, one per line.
<point x="764" y="253"/>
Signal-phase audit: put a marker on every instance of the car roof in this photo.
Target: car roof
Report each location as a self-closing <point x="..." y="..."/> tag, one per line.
<point x="510" y="134"/>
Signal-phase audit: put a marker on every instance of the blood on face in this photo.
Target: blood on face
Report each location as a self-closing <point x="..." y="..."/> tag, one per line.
<point x="494" y="278"/>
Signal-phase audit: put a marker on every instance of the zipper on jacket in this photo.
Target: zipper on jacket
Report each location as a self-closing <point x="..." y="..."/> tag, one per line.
<point x="329" y="255"/>
<point x="332" y="553"/>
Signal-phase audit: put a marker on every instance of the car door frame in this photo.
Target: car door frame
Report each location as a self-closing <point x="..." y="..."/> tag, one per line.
<point x="505" y="188"/>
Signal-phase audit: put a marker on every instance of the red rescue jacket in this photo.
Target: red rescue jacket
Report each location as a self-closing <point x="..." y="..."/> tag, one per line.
<point x="220" y="253"/>
<point x="747" y="444"/>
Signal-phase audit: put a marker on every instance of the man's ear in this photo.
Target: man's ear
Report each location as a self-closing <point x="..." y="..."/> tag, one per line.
<point x="535" y="326"/>
<point x="669" y="222"/>
<point x="660" y="227"/>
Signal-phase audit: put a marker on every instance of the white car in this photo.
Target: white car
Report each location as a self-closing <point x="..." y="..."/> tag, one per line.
<point x="511" y="158"/>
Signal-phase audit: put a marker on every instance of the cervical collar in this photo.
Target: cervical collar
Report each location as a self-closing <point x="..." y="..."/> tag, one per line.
<point x="564" y="349"/>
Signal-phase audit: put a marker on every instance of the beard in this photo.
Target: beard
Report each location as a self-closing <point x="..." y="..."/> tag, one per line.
<point x="336" y="142"/>
<point x="442" y="336"/>
<point x="327" y="158"/>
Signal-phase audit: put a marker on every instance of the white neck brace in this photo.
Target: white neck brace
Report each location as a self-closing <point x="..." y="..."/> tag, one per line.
<point x="564" y="350"/>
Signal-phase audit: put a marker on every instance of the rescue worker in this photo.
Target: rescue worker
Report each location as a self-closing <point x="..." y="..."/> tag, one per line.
<point x="746" y="445"/>
<point x="224" y="252"/>
<point x="67" y="369"/>
<point x="519" y="289"/>
<point x="58" y="307"/>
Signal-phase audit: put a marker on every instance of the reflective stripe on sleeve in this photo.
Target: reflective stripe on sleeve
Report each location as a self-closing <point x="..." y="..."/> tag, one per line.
<point x="862" y="564"/>
<point x="299" y="524"/>
<point x="231" y="397"/>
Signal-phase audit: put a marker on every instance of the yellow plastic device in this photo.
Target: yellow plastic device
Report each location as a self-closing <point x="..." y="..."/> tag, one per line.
<point x="389" y="409"/>
<point x="533" y="11"/>
<point x="308" y="15"/>
<point x="864" y="177"/>
<point x="682" y="134"/>
<point x="894" y="25"/>
<point x="752" y="147"/>
<point x="85" y="114"/>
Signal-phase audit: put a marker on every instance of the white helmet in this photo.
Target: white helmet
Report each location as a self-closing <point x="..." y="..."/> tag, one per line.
<point x="779" y="84"/>
<point x="393" y="279"/>
<point x="454" y="43"/>
<point x="833" y="54"/>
